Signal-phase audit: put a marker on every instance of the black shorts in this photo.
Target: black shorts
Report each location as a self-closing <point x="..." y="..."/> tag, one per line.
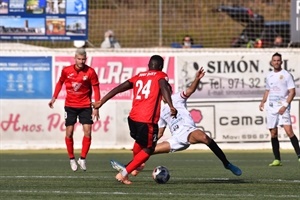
<point x="83" y="114"/>
<point x="145" y="134"/>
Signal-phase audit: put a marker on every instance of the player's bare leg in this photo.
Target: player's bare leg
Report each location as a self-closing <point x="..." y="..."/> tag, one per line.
<point x="163" y="147"/>
<point x="199" y="136"/>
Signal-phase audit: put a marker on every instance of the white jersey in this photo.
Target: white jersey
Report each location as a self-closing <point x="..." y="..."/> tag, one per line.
<point x="278" y="84"/>
<point x="182" y="121"/>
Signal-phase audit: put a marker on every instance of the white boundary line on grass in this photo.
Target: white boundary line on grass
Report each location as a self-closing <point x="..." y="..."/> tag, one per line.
<point x="160" y="194"/>
<point x="174" y="178"/>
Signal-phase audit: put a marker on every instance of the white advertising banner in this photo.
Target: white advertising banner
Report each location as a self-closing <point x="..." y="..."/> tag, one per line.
<point x="238" y="122"/>
<point x="33" y="125"/>
<point x="233" y="74"/>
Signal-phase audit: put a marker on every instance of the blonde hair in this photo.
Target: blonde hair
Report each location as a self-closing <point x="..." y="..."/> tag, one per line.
<point x="80" y="51"/>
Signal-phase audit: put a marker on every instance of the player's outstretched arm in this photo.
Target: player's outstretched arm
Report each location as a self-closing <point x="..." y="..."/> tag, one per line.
<point x="120" y="88"/>
<point x="190" y="90"/>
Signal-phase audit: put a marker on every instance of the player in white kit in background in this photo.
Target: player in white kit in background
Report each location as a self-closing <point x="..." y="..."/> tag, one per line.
<point x="183" y="129"/>
<point x="280" y="92"/>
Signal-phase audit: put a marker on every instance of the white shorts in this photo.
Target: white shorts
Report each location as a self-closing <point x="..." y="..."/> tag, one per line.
<point x="179" y="142"/>
<point x="274" y="119"/>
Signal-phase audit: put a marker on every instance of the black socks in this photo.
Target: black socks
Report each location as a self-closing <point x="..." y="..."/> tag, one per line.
<point x="275" y="148"/>
<point x="218" y="152"/>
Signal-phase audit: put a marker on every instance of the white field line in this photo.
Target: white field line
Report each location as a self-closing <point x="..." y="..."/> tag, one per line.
<point x="173" y="178"/>
<point x="198" y="159"/>
<point x="160" y="194"/>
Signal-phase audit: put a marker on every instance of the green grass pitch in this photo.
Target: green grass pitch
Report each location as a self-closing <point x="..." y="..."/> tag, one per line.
<point x="195" y="174"/>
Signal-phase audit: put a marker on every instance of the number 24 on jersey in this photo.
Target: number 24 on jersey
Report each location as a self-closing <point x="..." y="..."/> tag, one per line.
<point x="143" y="91"/>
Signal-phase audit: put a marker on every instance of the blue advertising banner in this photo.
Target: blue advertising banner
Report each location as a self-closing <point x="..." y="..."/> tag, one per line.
<point x="25" y="77"/>
<point x="43" y="19"/>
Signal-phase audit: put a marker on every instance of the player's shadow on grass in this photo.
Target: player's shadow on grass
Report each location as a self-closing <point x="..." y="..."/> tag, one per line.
<point x="232" y="181"/>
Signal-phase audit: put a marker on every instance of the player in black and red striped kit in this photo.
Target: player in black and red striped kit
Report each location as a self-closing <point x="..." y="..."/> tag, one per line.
<point x="80" y="81"/>
<point x="148" y="89"/>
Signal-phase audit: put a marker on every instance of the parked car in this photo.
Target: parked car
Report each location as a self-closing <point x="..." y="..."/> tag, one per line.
<point x="257" y="31"/>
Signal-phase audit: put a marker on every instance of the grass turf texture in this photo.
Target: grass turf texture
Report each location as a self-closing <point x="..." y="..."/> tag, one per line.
<point x="46" y="174"/>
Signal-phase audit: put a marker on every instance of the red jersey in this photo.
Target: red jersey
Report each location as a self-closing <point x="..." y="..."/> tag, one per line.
<point x="79" y="85"/>
<point x="146" y="96"/>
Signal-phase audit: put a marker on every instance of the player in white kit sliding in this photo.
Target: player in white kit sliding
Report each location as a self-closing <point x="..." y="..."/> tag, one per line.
<point x="280" y="91"/>
<point x="183" y="129"/>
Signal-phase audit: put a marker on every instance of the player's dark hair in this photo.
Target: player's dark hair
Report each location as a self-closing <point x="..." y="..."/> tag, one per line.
<point x="156" y="62"/>
<point x="277" y="54"/>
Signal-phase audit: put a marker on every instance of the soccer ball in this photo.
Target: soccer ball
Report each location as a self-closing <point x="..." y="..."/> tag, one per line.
<point x="161" y="174"/>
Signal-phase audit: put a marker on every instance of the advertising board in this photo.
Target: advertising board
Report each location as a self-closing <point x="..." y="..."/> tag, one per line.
<point x="235" y="75"/>
<point x="25" y="77"/>
<point x="114" y="70"/>
<point x="44" y="20"/>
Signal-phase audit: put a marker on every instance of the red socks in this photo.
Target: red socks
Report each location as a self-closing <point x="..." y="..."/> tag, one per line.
<point x="86" y="143"/>
<point x="70" y="148"/>
<point x="138" y="159"/>
<point x="136" y="149"/>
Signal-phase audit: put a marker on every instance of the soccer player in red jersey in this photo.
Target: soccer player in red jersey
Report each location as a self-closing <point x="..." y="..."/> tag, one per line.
<point x="80" y="81"/>
<point x="148" y="89"/>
